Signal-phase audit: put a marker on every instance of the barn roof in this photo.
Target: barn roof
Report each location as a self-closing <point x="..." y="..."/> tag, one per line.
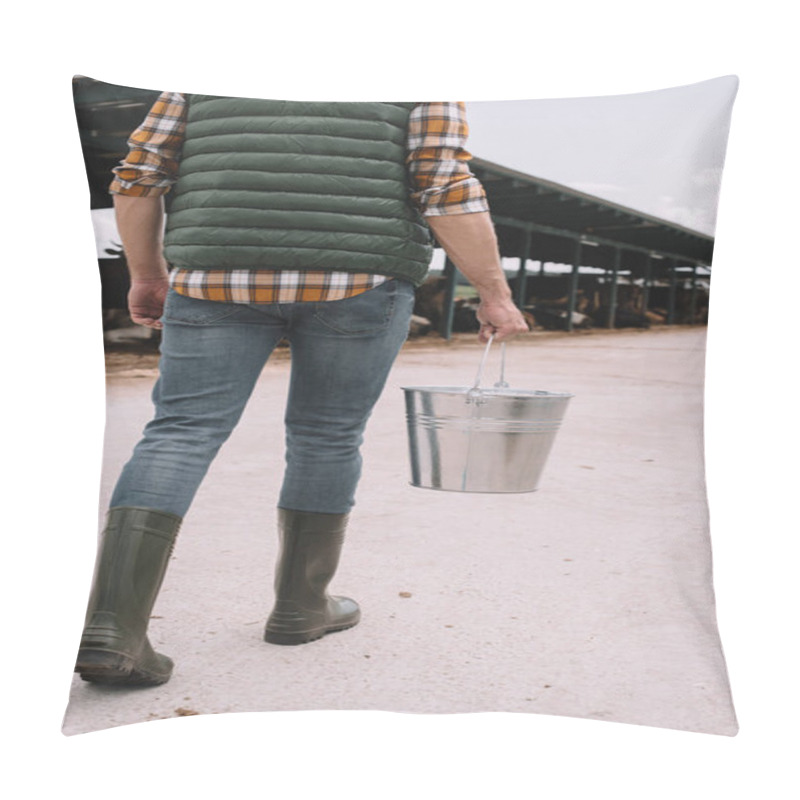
<point x="556" y="217"/>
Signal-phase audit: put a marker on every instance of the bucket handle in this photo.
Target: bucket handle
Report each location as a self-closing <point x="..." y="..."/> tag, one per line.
<point x="473" y="394"/>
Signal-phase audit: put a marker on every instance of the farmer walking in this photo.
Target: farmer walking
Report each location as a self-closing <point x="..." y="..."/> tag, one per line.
<point x="307" y="221"/>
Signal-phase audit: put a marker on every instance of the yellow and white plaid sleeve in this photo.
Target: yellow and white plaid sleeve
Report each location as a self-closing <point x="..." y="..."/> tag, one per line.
<point x="438" y="161"/>
<point x="151" y="166"/>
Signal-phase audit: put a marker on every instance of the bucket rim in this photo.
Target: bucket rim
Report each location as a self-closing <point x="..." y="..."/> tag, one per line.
<point x="497" y="391"/>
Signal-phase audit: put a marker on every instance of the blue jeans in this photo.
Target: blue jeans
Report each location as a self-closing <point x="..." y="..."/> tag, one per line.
<point x="211" y="356"/>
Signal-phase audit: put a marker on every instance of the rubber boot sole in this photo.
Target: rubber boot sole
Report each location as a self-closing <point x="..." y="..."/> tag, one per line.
<point x="303" y="637"/>
<point x="287" y="636"/>
<point x="108" y="668"/>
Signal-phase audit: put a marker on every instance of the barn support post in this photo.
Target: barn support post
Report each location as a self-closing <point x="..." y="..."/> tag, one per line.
<point x="522" y="272"/>
<point x="648" y="278"/>
<point x="573" y="283"/>
<point x="612" y="300"/>
<point x="673" y="289"/>
<point x="693" y="296"/>
<point x="448" y="306"/>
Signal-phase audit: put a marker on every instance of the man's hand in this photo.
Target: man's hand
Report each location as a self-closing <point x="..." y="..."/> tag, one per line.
<point x="146" y="301"/>
<point x="470" y="242"/>
<point x="501" y="319"/>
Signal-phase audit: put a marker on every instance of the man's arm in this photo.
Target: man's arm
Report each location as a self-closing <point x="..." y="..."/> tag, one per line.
<point x="470" y="242"/>
<point x="454" y="204"/>
<point x="139" y="185"/>
<point x="140" y="221"/>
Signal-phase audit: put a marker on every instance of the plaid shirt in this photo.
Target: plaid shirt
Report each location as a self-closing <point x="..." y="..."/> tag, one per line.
<point x="440" y="177"/>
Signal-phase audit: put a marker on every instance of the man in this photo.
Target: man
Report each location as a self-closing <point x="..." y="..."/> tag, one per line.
<point x="289" y="220"/>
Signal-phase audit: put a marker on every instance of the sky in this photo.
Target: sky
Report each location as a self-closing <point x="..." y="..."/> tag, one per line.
<point x="659" y="152"/>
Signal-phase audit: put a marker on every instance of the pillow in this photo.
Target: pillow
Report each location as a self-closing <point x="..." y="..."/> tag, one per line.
<point x="591" y="597"/>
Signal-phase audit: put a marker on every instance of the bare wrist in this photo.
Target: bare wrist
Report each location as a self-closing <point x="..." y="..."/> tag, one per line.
<point x="500" y="294"/>
<point x="144" y="270"/>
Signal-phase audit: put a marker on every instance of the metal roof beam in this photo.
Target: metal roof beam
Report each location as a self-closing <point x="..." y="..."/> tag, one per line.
<point x="511" y="222"/>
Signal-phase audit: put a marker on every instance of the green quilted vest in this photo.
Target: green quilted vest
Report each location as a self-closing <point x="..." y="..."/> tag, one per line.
<point x="267" y="184"/>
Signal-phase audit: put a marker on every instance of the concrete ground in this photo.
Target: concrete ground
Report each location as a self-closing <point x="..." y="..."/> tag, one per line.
<point x="589" y="598"/>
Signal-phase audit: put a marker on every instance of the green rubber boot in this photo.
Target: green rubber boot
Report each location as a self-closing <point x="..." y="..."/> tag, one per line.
<point x="310" y="548"/>
<point x="132" y="560"/>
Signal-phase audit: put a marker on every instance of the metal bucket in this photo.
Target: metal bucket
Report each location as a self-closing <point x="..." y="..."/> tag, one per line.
<point x="481" y="440"/>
